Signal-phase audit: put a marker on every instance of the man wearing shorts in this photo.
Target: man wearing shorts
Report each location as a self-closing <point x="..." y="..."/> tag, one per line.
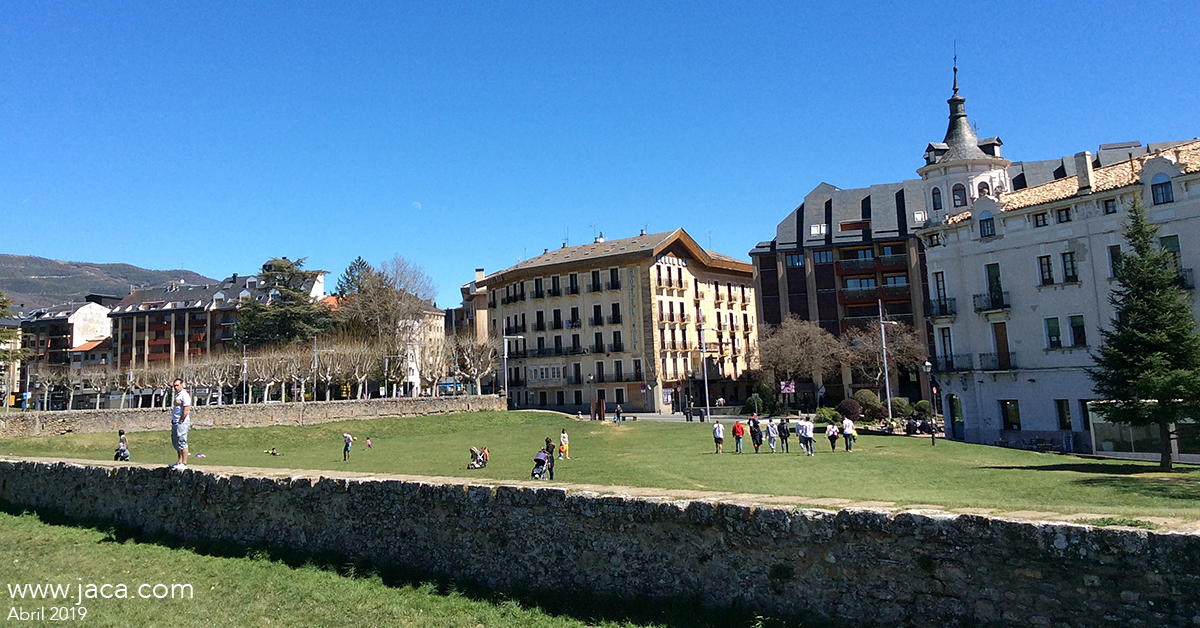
<point x="180" y="422"/>
<point x="719" y="435"/>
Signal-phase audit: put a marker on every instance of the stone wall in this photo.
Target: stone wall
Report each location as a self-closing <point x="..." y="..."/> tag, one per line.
<point x="863" y="567"/>
<point x="250" y="415"/>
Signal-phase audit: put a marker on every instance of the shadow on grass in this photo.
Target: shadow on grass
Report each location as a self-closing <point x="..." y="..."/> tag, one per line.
<point x="1086" y="467"/>
<point x="1181" y="484"/>
<point x="634" y="609"/>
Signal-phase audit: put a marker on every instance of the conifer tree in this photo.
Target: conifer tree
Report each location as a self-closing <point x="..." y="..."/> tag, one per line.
<point x="1148" y="366"/>
<point x="290" y="314"/>
<point x="354" y="278"/>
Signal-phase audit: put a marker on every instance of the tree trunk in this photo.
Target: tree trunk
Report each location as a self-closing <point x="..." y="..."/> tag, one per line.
<point x="1164" y="446"/>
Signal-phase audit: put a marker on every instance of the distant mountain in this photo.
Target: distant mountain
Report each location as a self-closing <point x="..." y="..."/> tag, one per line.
<point x="40" y="282"/>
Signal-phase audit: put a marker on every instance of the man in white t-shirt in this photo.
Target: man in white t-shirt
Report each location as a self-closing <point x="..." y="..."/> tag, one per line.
<point x="180" y="422"/>
<point x="848" y="433"/>
<point x="719" y="436"/>
<point x="805" y="432"/>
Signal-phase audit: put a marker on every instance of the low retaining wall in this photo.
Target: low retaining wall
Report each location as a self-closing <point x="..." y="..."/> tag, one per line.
<point x="248" y="415"/>
<point x="861" y="566"/>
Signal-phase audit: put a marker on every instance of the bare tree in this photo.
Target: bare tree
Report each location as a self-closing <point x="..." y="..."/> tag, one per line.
<point x="475" y="359"/>
<point x="432" y="357"/>
<point x="864" y="346"/>
<point x="331" y="367"/>
<point x="799" y="349"/>
<point x="361" y="360"/>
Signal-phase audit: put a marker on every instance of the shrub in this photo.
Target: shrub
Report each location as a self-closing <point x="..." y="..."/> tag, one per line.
<point x="768" y="405"/>
<point x="876" y="413"/>
<point x="850" y="409"/>
<point x="900" y="407"/>
<point x="923" y="408"/>
<point x="828" y="415"/>
<point x="867" y="398"/>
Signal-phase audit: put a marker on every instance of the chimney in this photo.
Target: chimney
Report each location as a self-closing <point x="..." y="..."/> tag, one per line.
<point x="479" y="274"/>
<point x="564" y="245"/>
<point x="1083" y="171"/>
<point x="600" y="238"/>
<point x="545" y="251"/>
<point x="642" y="232"/>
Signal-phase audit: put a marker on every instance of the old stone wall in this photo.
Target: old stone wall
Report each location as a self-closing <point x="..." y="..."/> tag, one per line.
<point x="864" y="567"/>
<point x="249" y="415"/>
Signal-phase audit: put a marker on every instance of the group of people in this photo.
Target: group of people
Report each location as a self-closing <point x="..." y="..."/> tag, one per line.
<point x="778" y="434"/>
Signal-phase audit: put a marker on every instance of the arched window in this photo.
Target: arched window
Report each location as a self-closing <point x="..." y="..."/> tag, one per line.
<point x="937" y="199"/>
<point x="1160" y="186"/>
<point x="960" y="195"/>
<point x="987" y="225"/>
<point x="984" y="190"/>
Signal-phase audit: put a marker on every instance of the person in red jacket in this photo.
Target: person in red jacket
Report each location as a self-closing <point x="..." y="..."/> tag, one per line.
<point x="738" y="432"/>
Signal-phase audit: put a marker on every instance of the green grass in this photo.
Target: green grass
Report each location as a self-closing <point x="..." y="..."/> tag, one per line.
<point x="1119" y="521"/>
<point x="679" y="456"/>
<point x="240" y="587"/>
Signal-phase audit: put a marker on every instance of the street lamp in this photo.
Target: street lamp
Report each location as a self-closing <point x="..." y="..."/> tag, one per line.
<point x="887" y="381"/>
<point x="504" y="340"/>
<point x="704" y="366"/>
<point x="928" y="368"/>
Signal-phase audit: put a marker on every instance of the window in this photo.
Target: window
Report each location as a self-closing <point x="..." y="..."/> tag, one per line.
<point x="1160" y="187"/>
<point x="823" y="257"/>
<point x="1053" y="335"/>
<point x="987" y="225"/>
<point x="820" y="229"/>
<point x="935" y="239"/>
<point x="1063" y="408"/>
<point x="1046" y="270"/>
<point x="895" y="280"/>
<point x="793" y="260"/>
<point x="1078" y="331"/>
<point x="619" y="394"/>
<point x="860" y="283"/>
<point x="1171" y="245"/>
<point x="1070" y="272"/>
<point x="1010" y="413"/>
<point x="854" y="225"/>
<point x="1110" y="206"/>
<point x="1085" y="415"/>
<point x="984" y="189"/>
<point x="1063" y="215"/>
<point x="1041" y="220"/>
<point x="1114" y="259"/>
<point x="960" y="195"/>
<point x="937" y="199"/>
<point x="920" y="217"/>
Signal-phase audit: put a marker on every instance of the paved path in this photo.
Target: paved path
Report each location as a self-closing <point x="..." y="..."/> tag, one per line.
<point x="1166" y="524"/>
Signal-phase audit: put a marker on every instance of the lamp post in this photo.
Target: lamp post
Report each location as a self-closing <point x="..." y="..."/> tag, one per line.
<point x="928" y="368"/>
<point x="887" y="381"/>
<point x="704" y="366"/>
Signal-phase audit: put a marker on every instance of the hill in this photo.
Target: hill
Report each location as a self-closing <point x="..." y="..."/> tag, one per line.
<point x="40" y="282"/>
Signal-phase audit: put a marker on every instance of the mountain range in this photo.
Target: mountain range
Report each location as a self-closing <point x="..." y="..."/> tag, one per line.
<point x="33" y="282"/>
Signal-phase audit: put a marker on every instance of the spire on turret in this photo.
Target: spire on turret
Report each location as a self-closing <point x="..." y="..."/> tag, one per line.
<point x="956" y="74"/>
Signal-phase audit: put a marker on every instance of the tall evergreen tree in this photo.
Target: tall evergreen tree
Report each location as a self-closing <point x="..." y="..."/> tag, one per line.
<point x="289" y="314"/>
<point x="1148" y="367"/>
<point x="354" y="278"/>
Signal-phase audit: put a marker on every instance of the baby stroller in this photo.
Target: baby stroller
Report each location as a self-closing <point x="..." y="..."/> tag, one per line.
<point x="122" y="454"/>
<point x="539" y="466"/>
<point x="479" y="458"/>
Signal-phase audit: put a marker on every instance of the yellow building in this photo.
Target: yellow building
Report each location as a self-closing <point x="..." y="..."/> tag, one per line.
<point x="622" y="321"/>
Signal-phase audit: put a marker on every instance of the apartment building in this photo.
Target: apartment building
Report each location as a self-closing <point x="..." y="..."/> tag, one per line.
<point x="624" y="322"/>
<point x="1020" y="281"/>
<point x="50" y="334"/>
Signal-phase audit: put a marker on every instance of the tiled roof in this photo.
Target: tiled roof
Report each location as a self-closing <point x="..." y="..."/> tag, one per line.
<point x="1112" y="177"/>
<point x="88" y="346"/>
<point x="594" y="250"/>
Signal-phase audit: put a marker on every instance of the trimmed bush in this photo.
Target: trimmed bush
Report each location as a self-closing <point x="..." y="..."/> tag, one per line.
<point x="923" y="408"/>
<point x="828" y="415"/>
<point x="850" y="408"/>
<point x="867" y="399"/>
<point x="900" y="407"/>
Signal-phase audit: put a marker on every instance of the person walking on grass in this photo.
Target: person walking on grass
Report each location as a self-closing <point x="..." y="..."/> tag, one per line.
<point x="564" y="445"/>
<point x="756" y="435"/>
<point x="785" y="430"/>
<point x="848" y="433"/>
<point x="368" y="442"/>
<point x="346" y="448"/>
<point x="804" y="433"/>
<point x="739" y="431"/>
<point x="772" y="433"/>
<point x="122" y="454"/>
<point x="549" y="449"/>
<point x="181" y="421"/>
<point x="719" y="436"/>
<point x="832" y="434"/>
<point x="617" y="414"/>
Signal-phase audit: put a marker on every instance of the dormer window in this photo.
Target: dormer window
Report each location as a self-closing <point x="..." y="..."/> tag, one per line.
<point x="937" y="199"/>
<point x="984" y="189"/>
<point x="244" y="294"/>
<point x="960" y="195"/>
<point x="1161" y="188"/>
<point x="251" y="283"/>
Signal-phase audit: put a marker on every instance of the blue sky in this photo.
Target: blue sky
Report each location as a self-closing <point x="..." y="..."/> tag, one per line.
<point x="215" y="135"/>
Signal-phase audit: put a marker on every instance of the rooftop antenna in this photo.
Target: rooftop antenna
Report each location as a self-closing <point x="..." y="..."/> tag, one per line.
<point x="594" y="230"/>
<point x="567" y="240"/>
<point x="710" y="239"/>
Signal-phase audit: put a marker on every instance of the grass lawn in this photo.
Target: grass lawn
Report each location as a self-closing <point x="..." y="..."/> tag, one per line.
<point x="237" y="587"/>
<point x="680" y="456"/>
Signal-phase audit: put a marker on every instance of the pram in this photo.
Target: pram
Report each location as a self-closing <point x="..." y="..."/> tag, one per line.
<point x="122" y="455"/>
<point x="479" y="458"/>
<point x="539" y="466"/>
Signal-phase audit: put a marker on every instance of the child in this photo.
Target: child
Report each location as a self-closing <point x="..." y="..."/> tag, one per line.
<point x="346" y="450"/>
<point x="122" y="454"/>
<point x="368" y="442"/>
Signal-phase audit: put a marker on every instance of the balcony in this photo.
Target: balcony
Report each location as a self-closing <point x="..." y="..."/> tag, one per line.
<point x="600" y="378"/>
<point x="718" y="296"/>
<point x="849" y="294"/>
<point x="700" y="294"/>
<point x="575" y="380"/>
<point x="997" y="362"/>
<point x="514" y="330"/>
<point x="1184" y="279"/>
<point x="613" y="285"/>
<point x="554" y="292"/>
<point x="684" y="317"/>
<point x="595" y="287"/>
<point x="616" y="347"/>
<point x="597" y="348"/>
<point x="614" y="320"/>
<point x="539" y="326"/>
<point x="574" y="323"/>
<point x="684" y="345"/>
<point x="855" y="265"/>
<point x="952" y="364"/>
<point x="491" y="305"/>
<point x="539" y="294"/>
<point x="749" y="327"/>
<point x="991" y="301"/>
<point x="572" y="289"/>
<point x="896" y="290"/>
<point x="518" y="354"/>
<point x="890" y="262"/>
<point x="576" y="350"/>
<point x="596" y="321"/>
<point x="636" y="377"/>
<point x="558" y="324"/>
<point x="940" y="308"/>
<point x="516" y="381"/>
<point x="668" y="345"/>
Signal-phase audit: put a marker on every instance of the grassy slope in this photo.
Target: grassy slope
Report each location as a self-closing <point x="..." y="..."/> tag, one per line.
<point x="679" y="455"/>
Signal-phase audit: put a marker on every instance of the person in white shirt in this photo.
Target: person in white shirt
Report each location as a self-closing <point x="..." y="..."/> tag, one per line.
<point x="719" y="436"/>
<point x="181" y="420"/>
<point x="832" y="434"/>
<point x="805" y="433"/>
<point x="772" y="434"/>
<point x="564" y="445"/>
<point x="848" y="433"/>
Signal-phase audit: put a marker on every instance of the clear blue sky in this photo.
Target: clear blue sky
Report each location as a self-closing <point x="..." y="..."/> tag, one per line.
<point x="214" y="135"/>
